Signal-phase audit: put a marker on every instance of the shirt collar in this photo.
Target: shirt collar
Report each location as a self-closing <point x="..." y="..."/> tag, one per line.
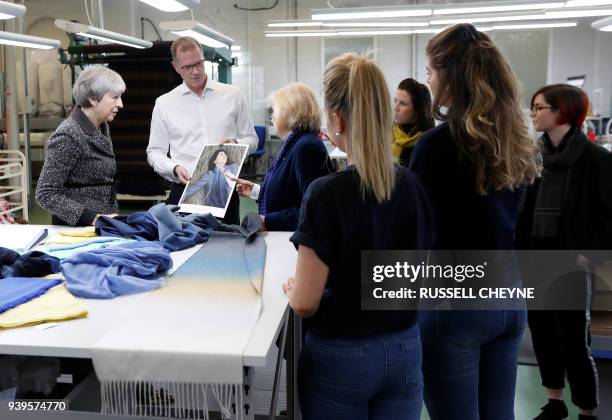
<point x="210" y="85"/>
<point x="81" y="119"/>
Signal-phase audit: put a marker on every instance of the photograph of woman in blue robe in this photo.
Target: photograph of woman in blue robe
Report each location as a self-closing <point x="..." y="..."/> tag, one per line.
<point x="214" y="186"/>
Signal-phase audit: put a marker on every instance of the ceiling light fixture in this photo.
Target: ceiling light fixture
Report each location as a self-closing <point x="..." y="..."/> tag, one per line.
<point x="10" y="10"/>
<point x="498" y="7"/>
<point x="480" y="19"/>
<point x="202" y="33"/>
<point x="587" y="3"/>
<point x="102" y="34"/>
<point x="300" y="33"/>
<point x="344" y="13"/>
<point x="604" y="24"/>
<point x="294" y="24"/>
<point x="535" y="26"/>
<point x="578" y="13"/>
<point x="28" y="41"/>
<point x="172" y="5"/>
<point x="362" y="33"/>
<point x="380" y="24"/>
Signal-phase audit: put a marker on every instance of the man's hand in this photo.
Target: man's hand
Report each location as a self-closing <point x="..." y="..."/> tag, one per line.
<point x="244" y="187"/>
<point x="181" y="174"/>
<point x="231" y="141"/>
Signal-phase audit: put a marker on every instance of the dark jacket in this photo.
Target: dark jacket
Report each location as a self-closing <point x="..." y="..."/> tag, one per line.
<point x="76" y="181"/>
<point x="586" y="212"/>
<point x="306" y="161"/>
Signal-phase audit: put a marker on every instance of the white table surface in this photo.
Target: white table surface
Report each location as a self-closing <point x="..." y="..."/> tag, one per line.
<point x="75" y="338"/>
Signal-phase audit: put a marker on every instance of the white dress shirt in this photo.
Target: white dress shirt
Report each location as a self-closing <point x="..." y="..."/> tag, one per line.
<point x="184" y="122"/>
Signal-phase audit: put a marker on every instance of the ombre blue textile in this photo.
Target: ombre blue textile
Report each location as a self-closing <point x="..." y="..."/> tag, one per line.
<point x="161" y="224"/>
<point x="17" y="290"/>
<point x="115" y="270"/>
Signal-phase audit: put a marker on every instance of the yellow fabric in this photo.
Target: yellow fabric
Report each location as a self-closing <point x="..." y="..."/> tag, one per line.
<point x="401" y="140"/>
<point x="73" y="236"/>
<point x="57" y="304"/>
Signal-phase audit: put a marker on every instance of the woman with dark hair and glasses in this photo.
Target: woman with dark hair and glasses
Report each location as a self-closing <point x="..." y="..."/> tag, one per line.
<point x="568" y="208"/>
<point x="474" y="165"/>
<point x="411" y="117"/>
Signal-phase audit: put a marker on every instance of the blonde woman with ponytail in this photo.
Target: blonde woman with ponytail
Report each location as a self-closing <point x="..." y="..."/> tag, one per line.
<point x="475" y="166"/>
<point x="357" y="364"/>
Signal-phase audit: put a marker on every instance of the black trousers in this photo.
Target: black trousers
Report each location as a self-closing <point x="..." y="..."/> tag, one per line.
<point x="561" y="340"/>
<point x="232" y="215"/>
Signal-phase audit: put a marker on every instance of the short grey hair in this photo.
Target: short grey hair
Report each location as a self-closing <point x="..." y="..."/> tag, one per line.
<point x="94" y="82"/>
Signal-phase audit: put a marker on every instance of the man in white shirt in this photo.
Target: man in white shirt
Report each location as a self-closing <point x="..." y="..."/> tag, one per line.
<point x="199" y="111"/>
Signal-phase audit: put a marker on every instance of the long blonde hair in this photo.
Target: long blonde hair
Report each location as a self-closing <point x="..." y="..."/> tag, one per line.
<point x="355" y="87"/>
<point x="482" y="94"/>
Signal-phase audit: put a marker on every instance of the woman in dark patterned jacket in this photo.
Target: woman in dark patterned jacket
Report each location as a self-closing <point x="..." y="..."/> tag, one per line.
<point x="76" y="182"/>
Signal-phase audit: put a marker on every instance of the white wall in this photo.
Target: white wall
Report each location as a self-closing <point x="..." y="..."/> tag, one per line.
<point x="269" y="63"/>
<point x="584" y="51"/>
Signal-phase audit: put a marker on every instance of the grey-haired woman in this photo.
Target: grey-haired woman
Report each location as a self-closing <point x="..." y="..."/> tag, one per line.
<point x="76" y="182"/>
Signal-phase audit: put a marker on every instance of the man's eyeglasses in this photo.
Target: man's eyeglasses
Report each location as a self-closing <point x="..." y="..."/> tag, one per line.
<point x="536" y="108"/>
<point x="189" y="67"/>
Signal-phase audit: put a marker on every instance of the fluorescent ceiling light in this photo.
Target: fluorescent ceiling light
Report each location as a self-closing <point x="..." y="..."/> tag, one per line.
<point x="585" y="3"/>
<point x="535" y="26"/>
<point x="172" y="5"/>
<point x="578" y="13"/>
<point x="507" y="18"/>
<point x="28" y="41"/>
<point x="202" y="33"/>
<point x="294" y="24"/>
<point x="343" y="13"/>
<point x="10" y="10"/>
<point x="604" y="24"/>
<point x="301" y="33"/>
<point x="355" y="33"/>
<point x="236" y="48"/>
<point x="428" y="31"/>
<point x="500" y="7"/>
<point x="381" y="24"/>
<point x="102" y="34"/>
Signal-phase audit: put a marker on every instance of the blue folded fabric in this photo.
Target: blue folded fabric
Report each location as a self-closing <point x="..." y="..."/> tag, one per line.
<point x="177" y="234"/>
<point x="160" y="223"/>
<point x="139" y="225"/>
<point x="31" y="264"/>
<point x="111" y="271"/>
<point x="17" y="290"/>
<point x="63" y="251"/>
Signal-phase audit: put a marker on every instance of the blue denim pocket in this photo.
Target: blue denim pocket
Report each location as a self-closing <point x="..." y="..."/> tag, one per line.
<point x="341" y="368"/>
<point x="412" y="359"/>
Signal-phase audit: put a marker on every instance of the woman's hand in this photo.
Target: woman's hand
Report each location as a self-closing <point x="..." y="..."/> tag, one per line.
<point x="244" y="187"/>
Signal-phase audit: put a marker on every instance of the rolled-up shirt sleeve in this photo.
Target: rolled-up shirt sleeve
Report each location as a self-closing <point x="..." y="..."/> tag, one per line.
<point x="159" y="143"/>
<point x="244" y="125"/>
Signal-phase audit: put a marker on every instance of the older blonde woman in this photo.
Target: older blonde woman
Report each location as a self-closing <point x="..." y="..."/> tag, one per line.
<point x="76" y="182"/>
<point x="302" y="158"/>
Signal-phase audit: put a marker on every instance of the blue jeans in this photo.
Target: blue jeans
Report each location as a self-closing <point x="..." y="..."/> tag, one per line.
<point x="470" y="362"/>
<point x="378" y="377"/>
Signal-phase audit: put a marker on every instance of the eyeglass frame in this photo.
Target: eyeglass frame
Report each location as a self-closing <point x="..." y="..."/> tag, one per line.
<point x="534" y="109"/>
<point x="191" y="67"/>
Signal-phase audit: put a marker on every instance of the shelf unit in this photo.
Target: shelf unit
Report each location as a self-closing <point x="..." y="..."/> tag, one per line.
<point x="13" y="181"/>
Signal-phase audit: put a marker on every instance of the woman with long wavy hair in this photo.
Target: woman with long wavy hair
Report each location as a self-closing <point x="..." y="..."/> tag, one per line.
<point x="357" y="364"/>
<point x="475" y="166"/>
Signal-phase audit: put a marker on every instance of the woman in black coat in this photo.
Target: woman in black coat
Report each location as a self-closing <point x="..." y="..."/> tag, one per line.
<point x="76" y="182"/>
<point x="568" y="208"/>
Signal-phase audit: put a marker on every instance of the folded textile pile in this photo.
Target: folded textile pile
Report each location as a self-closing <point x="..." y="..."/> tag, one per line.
<point x="32" y="264"/>
<point x="56" y="304"/>
<point x="66" y="250"/>
<point x="122" y="269"/>
<point x="15" y="291"/>
<point x="160" y="223"/>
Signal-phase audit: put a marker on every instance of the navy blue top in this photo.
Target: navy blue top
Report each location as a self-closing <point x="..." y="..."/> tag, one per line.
<point x="306" y="161"/>
<point x="464" y="219"/>
<point x="338" y="223"/>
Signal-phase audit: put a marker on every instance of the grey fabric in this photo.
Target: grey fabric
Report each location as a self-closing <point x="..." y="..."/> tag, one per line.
<point x="76" y="181"/>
